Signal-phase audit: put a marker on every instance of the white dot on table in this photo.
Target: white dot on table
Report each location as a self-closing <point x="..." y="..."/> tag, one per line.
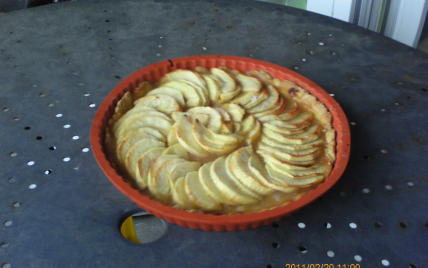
<point x="32" y="186"/>
<point x="366" y="190"/>
<point x="330" y="254"/>
<point x="385" y="262"/>
<point x="58" y="115"/>
<point x="66" y="159"/>
<point x="85" y="150"/>
<point x="358" y="258"/>
<point x="75" y="137"/>
<point x="353" y="225"/>
<point x="388" y="187"/>
<point x="301" y="225"/>
<point x="31" y="163"/>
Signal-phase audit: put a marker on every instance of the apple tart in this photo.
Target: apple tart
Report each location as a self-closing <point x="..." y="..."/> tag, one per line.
<point x="220" y="141"/>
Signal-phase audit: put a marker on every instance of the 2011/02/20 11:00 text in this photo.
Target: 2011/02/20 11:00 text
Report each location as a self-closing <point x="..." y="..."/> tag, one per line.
<point x="312" y="265"/>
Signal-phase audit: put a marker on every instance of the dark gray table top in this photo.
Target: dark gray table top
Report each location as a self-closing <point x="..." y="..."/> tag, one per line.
<point x="65" y="58"/>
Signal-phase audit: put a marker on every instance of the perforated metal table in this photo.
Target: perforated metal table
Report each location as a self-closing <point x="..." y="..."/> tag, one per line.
<point x="58" y="62"/>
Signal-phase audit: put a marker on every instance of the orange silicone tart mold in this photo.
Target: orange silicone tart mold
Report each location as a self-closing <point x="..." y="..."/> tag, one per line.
<point x="210" y="222"/>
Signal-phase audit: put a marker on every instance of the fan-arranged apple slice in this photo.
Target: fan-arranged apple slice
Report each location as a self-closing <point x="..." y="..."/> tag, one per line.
<point x="179" y="194"/>
<point x="136" y="116"/>
<point x="286" y="164"/>
<point x="290" y="111"/>
<point x="259" y="171"/>
<point x="123" y="148"/>
<point x="144" y="164"/>
<point x="187" y="139"/>
<point x="239" y="166"/>
<point x="257" y="99"/>
<point x="159" y="184"/>
<point x="249" y="83"/>
<point x="295" y="182"/>
<point x="209" y="186"/>
<point x="226" y="184"/>
<point x="229" y="89"/>
<point x="269" y="103"/>
<point x="196" y="193"/>
<point x="175" y="93"/>
<point x="296" y="147"/>
<point x="207" y="141"/>
<point x="291" y="155"/>
<point x="311" y="134"/>
<point x="234" y="110"/>
<point x="162" y="103"/>
<point x="146" y="130"/>
<point x="215" y="118"/>
<point x="190" y="94"/>
<point x="158" y="123"/>
<point x="181" y="74"/>
<point x="138" y="149"/>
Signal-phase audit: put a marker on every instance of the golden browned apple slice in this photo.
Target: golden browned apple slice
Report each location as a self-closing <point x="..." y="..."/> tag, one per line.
<point x="228" y="83"/>
<point x="202" y="92"/>
<point x="197" y="194"/>
<point x="216" y="119"/>
<point x="160" y="124"/>
<point x="209" y="186"/>
<point x="285" y="154"/>
<point x="186" y="138"/>
<point x="191" y="96"/>
<point x="247" y="125"/>
<point x="290" y="111"/>
<point x="238" y="182"/>
<point x="144" y="164"/>
<point x="121" y="124"/>
<point x="123" y="147"/>
<point x="228" y="139"/>
<point x="213" y="87"/>
<point x="285" y="131"/>
<point x="122" y="107"/>
<point x="147" y="130"/>
<point x="235" y="111"/>
<point x="255" y="100"/>
<point x="296" y="147"/>
<point x="304" y="182"/>
<point x="302" y="120"/>
<point x="175" y="93"/>
<point x="259" y="171"/>
<point x="279" y="107"/>
<point x="172" y="136"/>
<point x="137" y="109"/>
<point x="245" y="97"/>
<point x="177" y="149"/>
<point x="187" y="75"/>
<point x="226" y="184"/>
<point x="224" y="114"/>
<point x="207" y="142"/>
<point x="254" y="134"/>
<point x="163" y="103"/>
<point x="203" y="118"/>
<point x="311" y="134"/>
<point x="179" y="195"/>
<point x="238" y="164"/>
<point x="268" y="103"/>
<point x="162" y="159"/>
<point x="286" y="164"/>
<point x="137" y="150"/>
<point x="160" y="186"/>
<point x="182" y="169"/>
<point x="249" y="83"/>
